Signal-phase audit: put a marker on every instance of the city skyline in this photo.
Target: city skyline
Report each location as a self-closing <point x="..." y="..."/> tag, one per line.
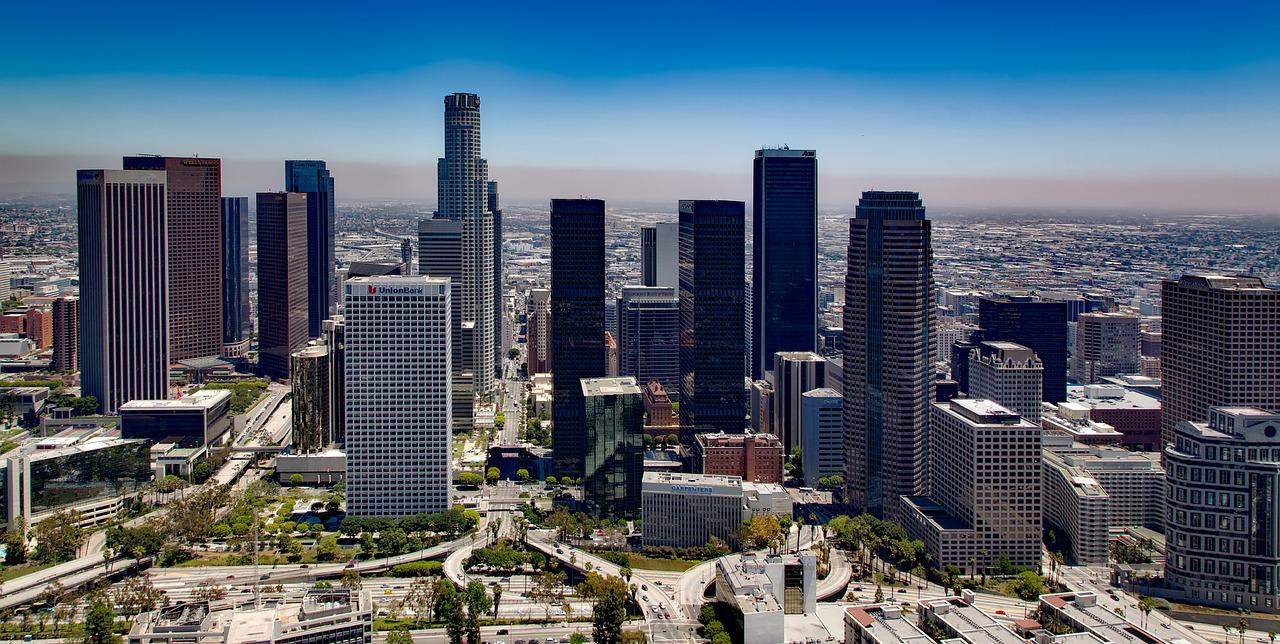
<point x="1121" y="113"/>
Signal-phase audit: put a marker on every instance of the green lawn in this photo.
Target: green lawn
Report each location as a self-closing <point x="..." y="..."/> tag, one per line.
<point x="642" y="562"/>
<point x="13" y="572"/>
<point x="264" y="559"/>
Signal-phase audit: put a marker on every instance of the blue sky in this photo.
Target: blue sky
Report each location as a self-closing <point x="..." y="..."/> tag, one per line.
<point x="885" y="91"/>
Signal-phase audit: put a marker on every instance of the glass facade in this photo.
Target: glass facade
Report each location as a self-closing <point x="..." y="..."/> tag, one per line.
<point x="577" y="330"/>
<point x="784" y="266"/>
<point x="235" y="270"/>
<point x="313" y="178"/>
<point x="712" y="281"/>
<point x="1037" y="324"/>
<point x="613" y="415"/>
<point x="67" y="480"/>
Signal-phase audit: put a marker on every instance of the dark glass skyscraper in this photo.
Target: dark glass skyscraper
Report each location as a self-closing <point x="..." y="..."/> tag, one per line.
<point x="889" y="322"/>
<point x="577" y="333"/>
<point x="236" y="325"/>
<point x="195" y="252"/>
<point x="1039" y="325"/>
<point x="613" y="417"/>
<point x="499" y="337"/>
<point x="313" y="179"/>
<point x="440" y="255"/>
<point x="282" y="279"/>
<point x="712" y="257"/>
<point x="648" y="335"/>
<point x="784" y="266"/>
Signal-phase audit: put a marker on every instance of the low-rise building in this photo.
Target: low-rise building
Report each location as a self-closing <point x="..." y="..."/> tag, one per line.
<point x="881" y="624"/>
<point x="1135" y="415"/>
<point x="199" y="419"/>
<point x="92" y="471"/>
<point x="1072" y="420"/>
<point x="657" y="407"/>
<point x="767" y="588"/>
<point x="313" y="468"/>
<point x="751" y="457"/>
<point x="961" y="621"/>
<point x="686" y="510"/>
<point x="325" y="616"/>
<point x="1081" y="613"/>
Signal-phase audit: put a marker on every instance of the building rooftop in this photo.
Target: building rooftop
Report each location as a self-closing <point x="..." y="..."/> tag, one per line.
<point x="982" y="411"/>
<point x="970" y="624"/>
<point x="1221" y="282"/>
<point x="1109" y="397"/>
<point x="722" y="439"/>
<point x="701" y="480"/>
<point x="824" y="392"/>
<point x="610" y="386"/>
<point x="885" y="624"/>
<point x="1082" y="611"/>
<point x="202" y="399"/>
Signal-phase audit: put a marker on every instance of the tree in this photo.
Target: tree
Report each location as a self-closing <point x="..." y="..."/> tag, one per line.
<point x="351" y="579"/>
<point x="1145" y="606"/>
<point x="763" y="530"/>
<point x="295" y="479"/>
<point x="399" y="636"/>
<point x="548" y="590"/>
<point x="59" y="537"/>
<point x="143" y="541"/>
<point x="327" y="549"/>
<point x="420" y="598"/>
<point x="99" y="624"/>
<point x="609" y="610"/>
<point x="522" y="475"/>
<point x="470" y="479"/>
<point x="492" y="475"/>
<point x="209" y="591"/>
<point x="1003" y="567"/>
<point x="551" y="480"/>
<point x="1027" y="585"/>
<point x="497" y="597"/>
<point x="448" y="608"/>
<point x="138" y="595"/>
<point x="477" y="603"/>
<point x="577" y="638"/>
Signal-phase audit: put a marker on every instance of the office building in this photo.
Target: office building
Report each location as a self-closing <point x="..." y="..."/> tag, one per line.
<point x="236" y="325"/>
<point x="784" y="266"/>
<point x="282" y="280"/>
<point x="1222" y="523"/>
<point x="881" y="624"/>
<point x="311" y="399"/>
<point x="1081" y="612"/>
<point x="760" y="406"/>
<point x="440" y="243"/>
<point x="1009" y="374"/>
<point x="538" y="334"/>
<point x="1039" y="325"/>
<point x="657" y="406"/>
<point x="1107" y="344"/>
<point x="822" y="431"/>
<point x="1220" y="347"/>
<point x="984" y="480"/>
<point x="502" y="337"/>
<point x="577" y="336"/>
<point x="687" y="510"/>
<point x="124" y="304"/>
<point x="1136" y="416"/>
<point x="765" y="589"/>
<point x="613" y="416"/>
<point x="794" y="373"/>
<point x="660" y="255"/>
<point x="87" y="471"/>
<point x="961" y="622"/>
<point x="889" y="317"/>
<point x="324" y="616"/>
<point x="313" y="179"/>
<point x="1072" y="420"/>
<point x="335" y="332"/>
<point x="648" y="335"/>
<point x="610" y="355"/>
<point x="38" y="322"/>
<point x="193" y="193"/>
<point x="198" y="420"/>
<point x="66" y="334"/>
<point x="463" y="196"/>
<point x="1090" y="490"/>
<point x="397" y="361"/>
<point x="756" y="458"/>
<point x="712" y="383"/>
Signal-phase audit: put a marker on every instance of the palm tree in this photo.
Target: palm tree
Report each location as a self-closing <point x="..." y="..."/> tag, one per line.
<point x="1145" y="605"/>
<point x="1244" y="626"/>
<point x="1226" y="630"/>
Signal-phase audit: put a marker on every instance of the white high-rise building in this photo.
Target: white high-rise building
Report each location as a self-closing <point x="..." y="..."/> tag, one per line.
<point x="1009" y="374"/>
<point x="397" y="361"/>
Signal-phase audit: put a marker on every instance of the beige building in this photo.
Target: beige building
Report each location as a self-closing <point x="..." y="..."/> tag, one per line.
<point x="1007" y="373"/>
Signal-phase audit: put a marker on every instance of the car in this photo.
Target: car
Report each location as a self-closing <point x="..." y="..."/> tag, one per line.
<point x="519" y="642"/>
<point x="503" y="631"/>
<point x="266" y="576"/>
<point x="902" y="590"/>
<point x="999" y="612"/>
<point x="858" y="588"/>
<point x="305" y="566"/>
<point x="231" y="576"/>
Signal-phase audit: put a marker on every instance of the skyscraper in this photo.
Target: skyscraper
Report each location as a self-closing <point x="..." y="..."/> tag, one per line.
<point x="124" y="267"/>
<point x="712" y="254"/>
<point x="784" y="261"/>
<point x="613" y="416"/>
<point x="194" y="191"/>
<point x="660" y="254"/>
<point x="66" y="334"/>
<point x="440" y="243"/>
<point x="313" y="178"/>
<point x="463" y="195"/>
<point x="501" y="340"/>
<point x="335" y="338"/>
<point x="236" y="325"/>
<point x="399" y="434"/>
<point x="282" y="279"/>
<point x="539" y="331"/>
<point x="648" y="335"/>
<point x="889" y="320"/>
<point x="794" y="373"/>
<point x="1107" y="344"/>
<point x="312" y="398"/>
<point x="1008" y="374"/>
<point x="1221" y="347"/>
<point x="1039" y="325"/>
<point x="577" y="335"/>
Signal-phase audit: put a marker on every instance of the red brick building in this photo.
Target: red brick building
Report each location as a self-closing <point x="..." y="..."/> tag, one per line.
<point x="753" y="457"/>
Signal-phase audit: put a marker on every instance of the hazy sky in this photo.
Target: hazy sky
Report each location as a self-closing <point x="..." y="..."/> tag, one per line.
<point x="1138" y="104"/>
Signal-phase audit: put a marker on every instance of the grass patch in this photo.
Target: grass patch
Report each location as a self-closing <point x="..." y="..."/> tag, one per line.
<point x="213" y="559"/>
<point x="13" y="572"/>
<point x="643" y="562"/>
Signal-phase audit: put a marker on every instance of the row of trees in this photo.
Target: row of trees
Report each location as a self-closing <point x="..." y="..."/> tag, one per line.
<point x="452" y="522"/>
<point x="58" y="538"/>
